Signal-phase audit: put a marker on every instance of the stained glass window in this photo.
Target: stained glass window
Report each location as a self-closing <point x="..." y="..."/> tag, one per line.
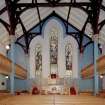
<point x="53" y="46"/>
<point x="68" y="51"/>
<point x="38" y="59"/>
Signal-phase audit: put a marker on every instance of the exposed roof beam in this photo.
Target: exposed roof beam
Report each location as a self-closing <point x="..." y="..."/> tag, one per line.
<point x="11" y="14"/>
<point x="6" y="25"/>
<point x="74" y="4"/>
<point x="95" y="15"/>
<point x="82" y="33"/>
<point x="38" y="12"/>
<point x="68" y="18"/>
<point x="3" y="10"/>
<point x="103" y="7"/>
<point x="53" y="2"/>
<point x="101" y="24"/>
<point x="25" y="35"/>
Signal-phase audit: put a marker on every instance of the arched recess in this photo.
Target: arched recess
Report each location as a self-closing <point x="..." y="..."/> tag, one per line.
<point x="38" y="40"/>
<point x="62" y="41"/>
<point x="38" y="60"/>
<point x="68" y="60"/>
<point x="54" y="24"/>
<point x="74" y="44"/>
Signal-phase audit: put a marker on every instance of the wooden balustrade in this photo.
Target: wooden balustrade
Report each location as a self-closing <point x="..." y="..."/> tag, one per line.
<point x="88" y="71"/>
<point x="5" y="68"/>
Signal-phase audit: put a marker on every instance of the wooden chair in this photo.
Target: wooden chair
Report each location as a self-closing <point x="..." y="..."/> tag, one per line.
<point x="35" y="91"/>
<point x="72" y="91"/>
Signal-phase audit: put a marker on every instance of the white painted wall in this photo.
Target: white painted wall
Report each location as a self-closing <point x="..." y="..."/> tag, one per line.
<point x="54" y="23"/>
<point x="34" y="42"/>
<point x="103" y="49"/>
<point x="2" y="79"/>
<point x="103" y="83"/>
<point x="44" y="42"/>
<point x="2" y="50"/>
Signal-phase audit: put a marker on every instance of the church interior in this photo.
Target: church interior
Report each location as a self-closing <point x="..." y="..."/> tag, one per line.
<point x="52" y="52"/>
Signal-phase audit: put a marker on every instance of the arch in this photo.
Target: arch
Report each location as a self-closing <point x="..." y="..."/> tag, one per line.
<point x="62" y="42"/>
<point x="54" y="17"/>
<point x="6" y="25"/>
<point x="68" y="59"/>
<point x="74" y="44"/>
<point x="34" y="42"/>
<point x="38" y="59"/>
<point x="55" y="23"/>
<point x="53" y="40"/>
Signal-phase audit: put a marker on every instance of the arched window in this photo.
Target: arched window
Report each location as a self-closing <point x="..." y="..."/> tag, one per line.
<point x="53" y="51"/>
<point x="68" y="59"/>
<point x="38" y="59"/>
<point x="53" y="46"/>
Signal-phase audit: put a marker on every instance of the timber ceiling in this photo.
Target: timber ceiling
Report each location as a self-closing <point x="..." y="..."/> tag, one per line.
<point x="17" y="17"/>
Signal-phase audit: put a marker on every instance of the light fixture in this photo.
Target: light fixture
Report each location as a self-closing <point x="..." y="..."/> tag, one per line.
<point x="6" y="77"/>
<point x="7" y="47"/>
<point x="101" y="76"/>
<point x="101" y="46"/>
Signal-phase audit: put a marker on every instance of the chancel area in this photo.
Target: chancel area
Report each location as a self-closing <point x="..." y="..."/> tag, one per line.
<point x="54" y="58"/>
<point x="52" y="52"/>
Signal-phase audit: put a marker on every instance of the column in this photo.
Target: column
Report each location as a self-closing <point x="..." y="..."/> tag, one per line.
<point x="28" y="73"/>
<point x="96" y="78"/>
<point x="12" y="75"/>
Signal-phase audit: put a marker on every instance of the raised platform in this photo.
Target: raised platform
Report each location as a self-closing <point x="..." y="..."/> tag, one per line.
<point x="53" y="89"/>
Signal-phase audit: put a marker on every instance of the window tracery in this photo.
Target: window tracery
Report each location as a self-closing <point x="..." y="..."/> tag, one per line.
<point x="38" y="59"/>
<point x="53" y="46"/>
<point x="68" y="57"/>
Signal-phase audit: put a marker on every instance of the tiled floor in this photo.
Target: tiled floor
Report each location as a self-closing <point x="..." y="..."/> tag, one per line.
<point x="52" y="100"/>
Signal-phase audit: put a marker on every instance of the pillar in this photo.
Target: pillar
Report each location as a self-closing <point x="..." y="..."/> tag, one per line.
<point x="28" y="73"/>
<point x="96" y="78"/>
<point x="12" y="75"/>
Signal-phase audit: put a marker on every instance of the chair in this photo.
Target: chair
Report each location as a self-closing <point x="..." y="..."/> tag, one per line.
<point x="72" y="91"/>
<point x="35" y="91"/>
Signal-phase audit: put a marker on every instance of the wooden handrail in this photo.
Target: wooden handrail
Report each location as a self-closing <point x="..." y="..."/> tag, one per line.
<point x="5" y="68"/>
<point x="88" y="71"/>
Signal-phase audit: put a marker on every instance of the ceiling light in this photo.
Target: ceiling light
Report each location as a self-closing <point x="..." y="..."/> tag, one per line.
<point x="7" y="47"/>
<point x="6" y="77"/>
<point x="100" y="46"/>
<point x="101" y="76"/>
